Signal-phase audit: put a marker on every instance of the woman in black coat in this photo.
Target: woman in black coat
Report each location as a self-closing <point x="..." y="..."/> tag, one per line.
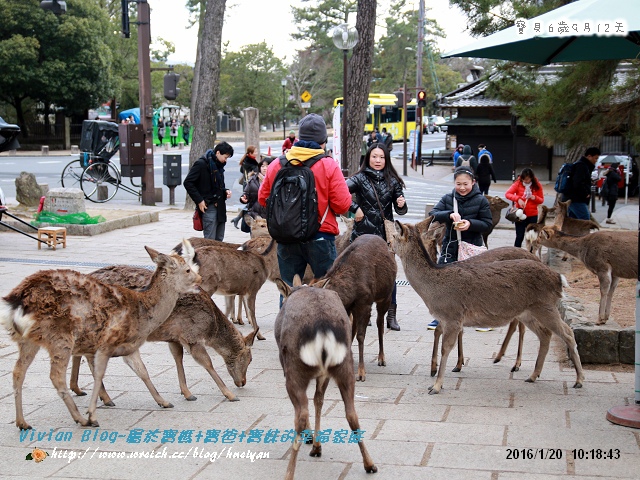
<point x="485" y="174"/>
<point x="377" y="187"/>
<point x="612" y="177"/>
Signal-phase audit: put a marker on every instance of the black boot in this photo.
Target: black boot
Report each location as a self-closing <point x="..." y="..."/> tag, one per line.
<point x="392" y="323"/>
<point x="237" y="219"/>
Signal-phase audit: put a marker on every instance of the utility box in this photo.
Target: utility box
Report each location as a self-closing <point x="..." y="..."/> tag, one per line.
<point x="131" y="149"/>
<point x="172" y="170"/>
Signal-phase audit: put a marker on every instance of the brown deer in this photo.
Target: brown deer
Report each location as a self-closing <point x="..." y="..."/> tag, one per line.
<point x="496" y="204"/>
<point x="529" y="294"/>
<point x="360" y="282"/>
<point x="69" y="313"/>
<point x="312" y="333"/>
<point x="609" y="255"/>
<point x="195" y="322"/>
<point x="344" y="239"/>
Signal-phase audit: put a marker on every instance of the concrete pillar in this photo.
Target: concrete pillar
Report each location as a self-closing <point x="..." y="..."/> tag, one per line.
<point x="251" y="128"/>
<point x="67" y="133"/>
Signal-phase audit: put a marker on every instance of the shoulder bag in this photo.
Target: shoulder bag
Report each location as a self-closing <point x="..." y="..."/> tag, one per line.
<point x="512" y="213"/>
<point x="197" y="220"/>
<point x="466" y="249"/>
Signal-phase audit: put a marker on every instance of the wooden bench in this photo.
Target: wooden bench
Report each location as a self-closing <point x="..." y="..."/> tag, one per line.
<point x="53" y="236"/>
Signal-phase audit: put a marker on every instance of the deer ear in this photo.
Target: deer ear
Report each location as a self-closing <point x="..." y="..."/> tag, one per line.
<point x="248" y="219"/>
<point x="283" y="288"/>
<point x="297" y="281"/>
<point x="189" y="255"/>
<point x="321" y="283"/>
<point x="248" y="340"/>
<point x="152" y="253"/>
<point x="423" y="226"/>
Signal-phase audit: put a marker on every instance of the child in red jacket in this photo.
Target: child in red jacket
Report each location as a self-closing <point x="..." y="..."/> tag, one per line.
<point x="525" y="193"/>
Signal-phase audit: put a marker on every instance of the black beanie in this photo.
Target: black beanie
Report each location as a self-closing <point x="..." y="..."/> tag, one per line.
<point x="313" y="129"/>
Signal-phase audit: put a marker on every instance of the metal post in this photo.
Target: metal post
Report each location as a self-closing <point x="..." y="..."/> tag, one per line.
<point x="404" y="129"/>
<point x="284" y="109"/>
<point x="419" y="79"/>
<point x="146" y="108"/>
<point x="343" y="139"/>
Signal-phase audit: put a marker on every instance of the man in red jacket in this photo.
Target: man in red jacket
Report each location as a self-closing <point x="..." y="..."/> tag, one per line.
<point x="289" y="141"/>
<point x="332" y="191"/>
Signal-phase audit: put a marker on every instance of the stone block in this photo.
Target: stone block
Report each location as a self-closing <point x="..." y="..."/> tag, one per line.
<point x="166" y="146"/>
<point x="597" y="344"/>
<point x="427" y="208"/>
<point x="158" y="194"/>
<point x="627" y="345"/>
<point x="44" y="150"/>
<point x="28" y="192"/>
<point x="74" y="150"/>
<point x="65" y="200"/>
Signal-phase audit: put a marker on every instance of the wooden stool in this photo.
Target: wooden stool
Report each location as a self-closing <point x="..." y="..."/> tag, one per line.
<point x="53" y="236"/>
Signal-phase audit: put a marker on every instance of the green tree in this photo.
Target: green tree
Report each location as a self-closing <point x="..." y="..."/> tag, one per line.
<point x="57" y="60"/>
<point x="251" y="78"/>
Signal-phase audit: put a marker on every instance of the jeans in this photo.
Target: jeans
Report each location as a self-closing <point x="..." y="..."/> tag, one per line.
<point x="212" y="227"/>
<point x="579" y="211"/>
<point x="521" y="228"/>
<point x="319" y="253"/>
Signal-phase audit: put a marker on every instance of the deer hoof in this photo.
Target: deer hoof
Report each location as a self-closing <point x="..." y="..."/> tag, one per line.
<point x="233" y="398"/>
<point x="433" y="372"/>
<point x="261" y="337"/>
<point x="239" y="321"/>
<point x="382" y="363"/>
<point x="109" y="404"/>
<point x="315" y="451"/>
<point x="92" y="423"/>
<point x="79" y="393"/>
<point x="530" y="380"/>
<point x="360" y="378"/>
<point x="456" y="369"/>
<point x="496" y="360"/>
<point x="515" y="368"/>
<point x="371" y="469"/>
<point x="23" y="426"/>
<point x="166" y="405"/>
<point x="191" y="398"/>
<point x="577" y="385"/>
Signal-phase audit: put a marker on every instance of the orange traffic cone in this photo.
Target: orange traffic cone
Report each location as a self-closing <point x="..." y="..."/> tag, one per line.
<point x="269" y="152"/>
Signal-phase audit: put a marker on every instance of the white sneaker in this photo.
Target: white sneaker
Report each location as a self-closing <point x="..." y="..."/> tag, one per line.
<point x="481" y="329"/>
<point x="610" y="220"/>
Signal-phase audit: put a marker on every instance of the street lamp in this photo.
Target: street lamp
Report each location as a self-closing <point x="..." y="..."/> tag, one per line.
<point x="283" y="82"/>
<point x="344" y="38"/>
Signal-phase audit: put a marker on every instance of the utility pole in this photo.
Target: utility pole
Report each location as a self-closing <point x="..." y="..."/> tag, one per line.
<point x="419" y="78"/>
<point x="146" y="108"/>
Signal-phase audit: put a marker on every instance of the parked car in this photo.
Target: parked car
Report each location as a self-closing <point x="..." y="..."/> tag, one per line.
<point x="434" y="123"/>
<point x="8" y="136"/>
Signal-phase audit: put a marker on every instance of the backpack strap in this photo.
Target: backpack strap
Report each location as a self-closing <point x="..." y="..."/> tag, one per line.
<point x="309" y="163"/>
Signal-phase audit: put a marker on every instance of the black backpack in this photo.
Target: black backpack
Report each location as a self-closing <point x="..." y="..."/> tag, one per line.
<point x="563" y="180"/>
<point x="292" y="206"/>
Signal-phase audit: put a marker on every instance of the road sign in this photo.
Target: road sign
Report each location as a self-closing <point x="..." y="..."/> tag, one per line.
<point x="306" y="96"/>
<point x="306" y="105"/>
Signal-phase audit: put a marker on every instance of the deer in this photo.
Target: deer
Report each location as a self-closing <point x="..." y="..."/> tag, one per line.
<point x="235" y="272"/>
<point x="449" y="291"/>
<point x="70" y="313"/>
<point x="344" y="239"/>
<point x="496" y="204"/>
<point x="609" y="255"/>
<point x="195" y="322"/>
<point x="314" y="342"/>
<point x="360" y="282"/>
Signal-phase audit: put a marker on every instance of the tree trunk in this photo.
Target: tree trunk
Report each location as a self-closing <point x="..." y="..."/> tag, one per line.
<point x="196" y="75"/>
<point x="206" y="102"/>
<point x="17" y="104"/>
<point x="359" y="78"/>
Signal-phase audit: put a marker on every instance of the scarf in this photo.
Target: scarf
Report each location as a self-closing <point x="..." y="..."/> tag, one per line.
<point x="527" y="189"/>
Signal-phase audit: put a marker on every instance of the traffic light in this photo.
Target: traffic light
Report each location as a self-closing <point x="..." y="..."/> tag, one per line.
<point x="422" y="99"/>
<point x="56" y="6"/>
<point x="171" y="89"/>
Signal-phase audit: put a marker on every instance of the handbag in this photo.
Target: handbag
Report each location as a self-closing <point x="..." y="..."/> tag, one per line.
<point x="511" y="212"/>
<point x="197" y="220"/>
<point x="466" y="249"/>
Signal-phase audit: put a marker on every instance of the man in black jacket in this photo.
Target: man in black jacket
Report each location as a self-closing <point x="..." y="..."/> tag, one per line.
<point x="205" y="185"/>
<point x="580" y="192"/>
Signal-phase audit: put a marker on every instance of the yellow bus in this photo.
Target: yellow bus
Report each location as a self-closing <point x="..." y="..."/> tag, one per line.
<point x="384" y="111"/>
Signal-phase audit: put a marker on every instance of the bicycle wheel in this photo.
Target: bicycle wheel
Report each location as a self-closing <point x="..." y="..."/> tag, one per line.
<point x="71" y="174"/>
<point x="100" y="181"/>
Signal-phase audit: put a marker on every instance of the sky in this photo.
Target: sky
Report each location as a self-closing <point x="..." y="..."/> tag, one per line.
<point x="254" y="21"/>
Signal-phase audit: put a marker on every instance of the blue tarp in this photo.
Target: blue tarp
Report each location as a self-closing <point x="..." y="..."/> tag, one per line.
<point x="127" y="113"/>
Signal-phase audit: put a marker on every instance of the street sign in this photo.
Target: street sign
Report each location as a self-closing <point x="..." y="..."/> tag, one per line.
<point x="306" y="105"/>
<point x="306" y="96"/>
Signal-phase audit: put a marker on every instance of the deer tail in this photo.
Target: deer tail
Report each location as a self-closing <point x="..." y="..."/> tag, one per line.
<point x="13" y="319"/>
<point x="323" y="351"/>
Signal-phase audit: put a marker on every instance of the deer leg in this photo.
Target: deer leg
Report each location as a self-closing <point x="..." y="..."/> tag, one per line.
<point x="177" y="352"/>
<point x="434" y="356"/>
<point x="239" y="316"/>
<point x="27" y="351"/>
<point x="200" y="355"/>
<point x="75" y="371"/>
<point x="458" y="366"/>
<point x="605" y="286"/>
<point x="521" y="330"/>
<point x="297" y="391"/>
<point x="361" y="316"/>
<point x="544" y="336"/>
<point x="106" y="399"/>
<point x="612" y="289"/>
<point x="318" y="401"/>
<point x="507" y="339"/>
<point x="230" y="306"/>
<point x="250" y="309"/>
<point x="134" y="362"/>
<point x="450" y="333"/>
<point x="382" y="309"/>
<point x="346" y="385"/>
<point x="59" y="362"/>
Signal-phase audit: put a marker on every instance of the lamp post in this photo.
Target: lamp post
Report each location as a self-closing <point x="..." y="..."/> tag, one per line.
<point x="344" y="38"/>
<point x="283" y="82"/>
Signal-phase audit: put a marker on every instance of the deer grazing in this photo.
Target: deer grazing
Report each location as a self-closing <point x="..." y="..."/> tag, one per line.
<point x="525" y="290"/>
<point x="360" y="282"/>
<point x="312" y="333"/>
<point x="195" y="322"/>
<point x="609" y="255"/>
<point x="69" y="313"/>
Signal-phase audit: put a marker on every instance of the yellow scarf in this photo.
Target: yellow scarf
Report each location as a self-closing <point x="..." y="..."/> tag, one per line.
<point x="301" y="154"/>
